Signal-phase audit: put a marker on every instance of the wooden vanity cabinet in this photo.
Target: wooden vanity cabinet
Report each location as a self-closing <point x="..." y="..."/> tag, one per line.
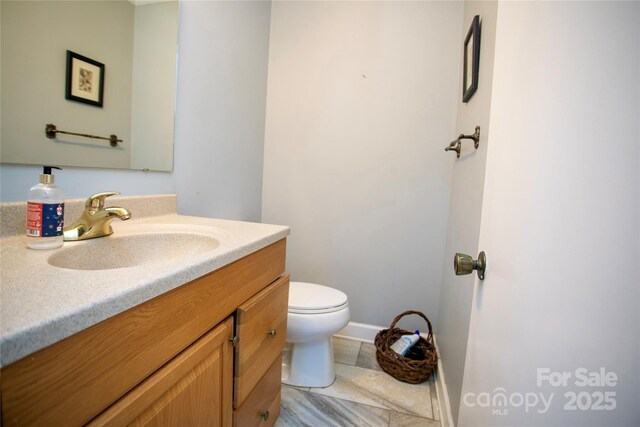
<point x="168" y="361"/>
<point x="193" y="389"/>
<point x="261" y="327"/>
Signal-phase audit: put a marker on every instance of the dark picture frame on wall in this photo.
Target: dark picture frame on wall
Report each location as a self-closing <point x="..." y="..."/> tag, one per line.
<point x="85" y="80"/>
<point x="471" y="60"/>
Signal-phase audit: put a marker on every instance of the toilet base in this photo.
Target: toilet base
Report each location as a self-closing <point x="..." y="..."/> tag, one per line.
<point x="309" y="364"/>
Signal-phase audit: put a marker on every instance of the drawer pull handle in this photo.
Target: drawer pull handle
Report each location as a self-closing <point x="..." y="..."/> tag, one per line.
<point x="272" y="333"/>
<point x="265" y="415"/>
<point x="234" y="341"/>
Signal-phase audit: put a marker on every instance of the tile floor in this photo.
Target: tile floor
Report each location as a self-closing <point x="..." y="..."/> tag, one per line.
<point x="362" y="395"/>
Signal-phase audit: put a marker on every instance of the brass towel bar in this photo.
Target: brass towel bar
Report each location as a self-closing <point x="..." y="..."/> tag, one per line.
<point x="456" y="144"/>
<point x="51" y="131"/>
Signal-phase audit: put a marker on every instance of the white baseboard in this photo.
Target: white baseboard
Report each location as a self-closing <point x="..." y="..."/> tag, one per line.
<point x="360" y="332"/>
<point x="444" y="405"/>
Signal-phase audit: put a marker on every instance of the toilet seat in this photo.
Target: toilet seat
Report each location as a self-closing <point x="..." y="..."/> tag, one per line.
<point x="309" y="298"/>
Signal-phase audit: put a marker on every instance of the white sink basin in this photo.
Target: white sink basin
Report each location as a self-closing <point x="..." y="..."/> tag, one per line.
<point x="133" y="250"/>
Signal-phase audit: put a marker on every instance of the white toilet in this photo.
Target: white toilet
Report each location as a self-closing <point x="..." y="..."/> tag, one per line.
<point x="315" y="313"/>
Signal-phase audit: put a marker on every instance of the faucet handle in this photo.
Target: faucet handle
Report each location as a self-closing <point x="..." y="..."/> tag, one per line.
<point x="97" y="200"/>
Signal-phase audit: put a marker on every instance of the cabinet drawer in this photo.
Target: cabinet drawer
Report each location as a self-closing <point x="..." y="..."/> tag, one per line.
<point x="192" y="389"/>
<point x="262" y="406"/>
<point x="261" y="326"/>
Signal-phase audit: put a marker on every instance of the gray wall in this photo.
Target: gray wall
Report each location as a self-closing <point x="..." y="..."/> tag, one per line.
<point x="222" y="97"/>
<point x="361" y="102"/>
<point x="35" y="38"/>
<point x="219" y="121"/>
<point x="153" y="98"/>
<point x="15" y="181"/>
<point x="465" y="208"/>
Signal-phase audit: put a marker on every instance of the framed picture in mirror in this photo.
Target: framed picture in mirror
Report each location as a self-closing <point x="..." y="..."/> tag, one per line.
<point x="471" y="60"/>
<point x="85" y="79"/>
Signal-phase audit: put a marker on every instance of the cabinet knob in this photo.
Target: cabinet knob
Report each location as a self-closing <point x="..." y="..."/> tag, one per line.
<point x="265" y="415"/>
<point x="272" y="333"/>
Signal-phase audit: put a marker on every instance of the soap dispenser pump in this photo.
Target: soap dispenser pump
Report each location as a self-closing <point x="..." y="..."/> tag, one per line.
<point x="45" y="213"/>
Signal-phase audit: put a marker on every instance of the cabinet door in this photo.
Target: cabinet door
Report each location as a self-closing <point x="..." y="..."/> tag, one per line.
<point x="262" y="329"/>
<point x="193" y="389"/>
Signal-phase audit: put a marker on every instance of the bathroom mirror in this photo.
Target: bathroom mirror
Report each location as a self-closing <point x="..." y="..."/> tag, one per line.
<point x="136" y="41"/>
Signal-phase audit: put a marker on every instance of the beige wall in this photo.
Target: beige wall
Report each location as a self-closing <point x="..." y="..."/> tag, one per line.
<point x="361" y="102"/>
<point x="35" y="38"/>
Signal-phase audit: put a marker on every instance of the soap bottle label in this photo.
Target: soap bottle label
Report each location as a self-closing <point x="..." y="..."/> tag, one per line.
<point x="45" y="219"/>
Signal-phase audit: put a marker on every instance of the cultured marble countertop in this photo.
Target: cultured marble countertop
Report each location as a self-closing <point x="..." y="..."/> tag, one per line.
<point x="41" y="304"/>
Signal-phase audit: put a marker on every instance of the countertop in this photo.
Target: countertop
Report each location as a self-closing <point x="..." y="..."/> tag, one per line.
<point x="41" y="304"/>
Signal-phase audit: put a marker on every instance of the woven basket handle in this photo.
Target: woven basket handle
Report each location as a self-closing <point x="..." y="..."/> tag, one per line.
<point x="406" y="313"/>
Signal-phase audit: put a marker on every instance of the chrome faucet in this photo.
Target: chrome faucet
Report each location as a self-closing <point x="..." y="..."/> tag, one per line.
<point x="95" y="221"/>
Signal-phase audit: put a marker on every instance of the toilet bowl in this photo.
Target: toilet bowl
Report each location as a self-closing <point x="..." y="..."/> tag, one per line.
<point x="315" y="313"/>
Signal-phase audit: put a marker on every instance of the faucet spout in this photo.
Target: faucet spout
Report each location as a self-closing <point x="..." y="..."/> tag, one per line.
<point x="114" y="212"/>
<point x="96" y="219"/>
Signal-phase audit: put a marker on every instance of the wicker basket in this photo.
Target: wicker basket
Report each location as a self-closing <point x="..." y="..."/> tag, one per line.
<point x="400" y="367"/>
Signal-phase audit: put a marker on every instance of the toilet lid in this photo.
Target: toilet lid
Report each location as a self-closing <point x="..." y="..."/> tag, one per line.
<point x="304" y="297"/>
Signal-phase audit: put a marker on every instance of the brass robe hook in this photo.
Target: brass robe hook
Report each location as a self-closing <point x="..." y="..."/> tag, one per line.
<point x="456" y="144"/>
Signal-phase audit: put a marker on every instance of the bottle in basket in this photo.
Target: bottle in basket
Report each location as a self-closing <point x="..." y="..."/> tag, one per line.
<point x="405" y="342"/>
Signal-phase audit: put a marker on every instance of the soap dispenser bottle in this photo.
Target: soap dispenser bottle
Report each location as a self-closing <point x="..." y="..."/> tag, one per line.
<point x="45" y="213"/>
